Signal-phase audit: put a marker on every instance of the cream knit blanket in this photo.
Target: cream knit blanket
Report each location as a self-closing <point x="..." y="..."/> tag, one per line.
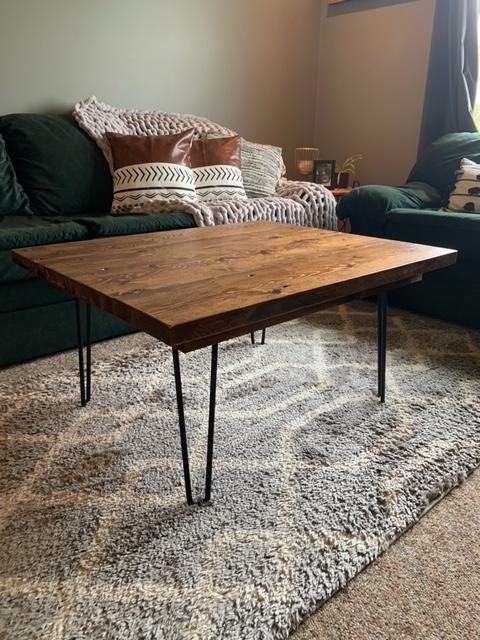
<point x="300" y="203"/>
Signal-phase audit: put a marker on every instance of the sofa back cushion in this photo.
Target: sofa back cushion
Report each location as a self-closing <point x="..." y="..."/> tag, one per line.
<point x="438" y="164"/>
<point x="60" y="168"/>
<point x="12" y="197"/>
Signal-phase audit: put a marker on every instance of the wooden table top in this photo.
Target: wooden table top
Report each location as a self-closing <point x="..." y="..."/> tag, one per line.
<point x="195" y="287"/>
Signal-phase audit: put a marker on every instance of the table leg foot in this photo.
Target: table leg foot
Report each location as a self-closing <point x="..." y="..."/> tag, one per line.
<point x="252" y="336"/>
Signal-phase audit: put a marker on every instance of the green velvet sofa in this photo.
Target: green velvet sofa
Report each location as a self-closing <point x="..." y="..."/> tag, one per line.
<point x="413" y="213"/>
<point x="55" y="186"/>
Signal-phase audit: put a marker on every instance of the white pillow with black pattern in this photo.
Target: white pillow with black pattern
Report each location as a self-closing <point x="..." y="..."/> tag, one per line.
<point x="262" y="169"/>
<point x="465" y="197"/>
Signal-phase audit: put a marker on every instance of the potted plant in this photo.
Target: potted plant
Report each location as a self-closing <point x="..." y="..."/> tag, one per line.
<point x="346" y="169"/>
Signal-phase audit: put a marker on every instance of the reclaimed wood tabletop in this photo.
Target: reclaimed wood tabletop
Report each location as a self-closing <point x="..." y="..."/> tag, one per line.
<point x="196" y="287"/>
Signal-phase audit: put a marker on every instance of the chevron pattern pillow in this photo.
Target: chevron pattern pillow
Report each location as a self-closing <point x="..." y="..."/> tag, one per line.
<point x="465" y="196"/>
<point x="147" y="182"/>
<point x="219" y="182"/>
<point x="216" y="168"/>
<point x="150" y="168"/>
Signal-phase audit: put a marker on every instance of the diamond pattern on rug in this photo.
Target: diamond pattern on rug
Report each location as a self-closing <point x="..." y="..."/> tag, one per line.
<point x="313" y="478"/>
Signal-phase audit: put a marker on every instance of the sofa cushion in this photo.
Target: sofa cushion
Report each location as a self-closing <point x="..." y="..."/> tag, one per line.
<point x="34" y="332"/>
<point x="459" y="231"/>
<point x="13" y="199"/>
<point x="366" y="206"/>
<point x="103" y="226"/>
<point x="60" y="168"/>
<point x="438" y="164"/>
<point x="29" y="293"/>
<point x="27" y="231"/>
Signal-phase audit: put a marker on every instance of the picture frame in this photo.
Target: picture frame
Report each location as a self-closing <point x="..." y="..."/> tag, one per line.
<point x="324" y="172"/>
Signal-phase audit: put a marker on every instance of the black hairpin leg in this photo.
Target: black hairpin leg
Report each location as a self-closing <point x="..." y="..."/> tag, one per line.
<point x="382" y="305"/>
<point x="181" y="421"/>
<point x="85" y="370"/>
<point x="88" y="312"/>
<point x="252" y="336"/>
<point x="211" y="424"/>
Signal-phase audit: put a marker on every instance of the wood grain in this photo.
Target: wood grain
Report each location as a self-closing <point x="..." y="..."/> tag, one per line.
<point x="194" y="287"/>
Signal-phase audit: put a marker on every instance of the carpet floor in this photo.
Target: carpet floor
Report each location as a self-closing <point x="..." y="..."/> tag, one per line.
<point x="313" y="479"/>
<point x="426" y="586"/>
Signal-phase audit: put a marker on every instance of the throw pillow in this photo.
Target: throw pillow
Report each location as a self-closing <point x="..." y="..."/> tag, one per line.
<point x="216" y="167"/>
<point x="465" y="196"/>
<point x="150" y="168"/>
<point x="262" y="168"/>
<point x="12" y="197"/>
<point x="59" y="166"/>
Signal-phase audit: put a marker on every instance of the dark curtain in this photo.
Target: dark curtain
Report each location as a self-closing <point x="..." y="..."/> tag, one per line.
<point x="453" y="71"/>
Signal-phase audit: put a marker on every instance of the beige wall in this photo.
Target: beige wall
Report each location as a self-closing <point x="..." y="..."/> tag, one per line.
<point x="250" y="64"/>
<point x="373" y="63"/>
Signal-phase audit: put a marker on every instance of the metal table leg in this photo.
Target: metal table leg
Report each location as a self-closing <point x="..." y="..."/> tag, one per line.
<point x="181" y="421"/>
<point x="85" y="368"/>
<point x="382" y="306"/>
<point x="211" y="424"/>
<point x="252" y="336"/>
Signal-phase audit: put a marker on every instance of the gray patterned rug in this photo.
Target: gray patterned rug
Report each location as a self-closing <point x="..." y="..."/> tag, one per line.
<point x="313" y="478"/>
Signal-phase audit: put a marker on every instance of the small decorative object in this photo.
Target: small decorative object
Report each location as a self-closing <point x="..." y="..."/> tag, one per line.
<point x="304" y="159"/>
<point x="348" y="167"/>
<point x="324" y="172"/>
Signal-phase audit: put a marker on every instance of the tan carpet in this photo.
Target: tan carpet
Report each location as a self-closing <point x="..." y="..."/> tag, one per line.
<point x="427" y="586"/>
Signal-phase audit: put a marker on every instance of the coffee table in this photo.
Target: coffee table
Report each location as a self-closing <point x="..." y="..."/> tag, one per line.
<point x="195" y="288"/>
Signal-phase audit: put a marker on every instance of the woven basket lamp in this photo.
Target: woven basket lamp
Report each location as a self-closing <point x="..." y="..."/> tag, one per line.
<point x="304" y="161"/>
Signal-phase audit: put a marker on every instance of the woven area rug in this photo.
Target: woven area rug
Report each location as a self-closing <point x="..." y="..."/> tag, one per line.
<point x="313" y="478"/>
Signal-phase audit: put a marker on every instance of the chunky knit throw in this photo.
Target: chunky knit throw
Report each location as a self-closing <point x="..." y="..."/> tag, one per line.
<point x="300" y="203"/>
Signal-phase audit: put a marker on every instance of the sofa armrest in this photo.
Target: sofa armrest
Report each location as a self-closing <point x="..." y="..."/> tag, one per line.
<point x="448" y="229"/>
<point x="366" y="207"/>
<point x="316" y="199"/>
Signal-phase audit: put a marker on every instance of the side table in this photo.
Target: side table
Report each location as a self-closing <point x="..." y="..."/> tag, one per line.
<point x="343" y="225"/>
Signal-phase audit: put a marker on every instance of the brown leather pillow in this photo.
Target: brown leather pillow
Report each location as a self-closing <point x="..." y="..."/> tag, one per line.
<point x="211" y="151"/>
<point x="150" y="169"/>
<point x="216" y="166"/>
<point x="131" y="149"/>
